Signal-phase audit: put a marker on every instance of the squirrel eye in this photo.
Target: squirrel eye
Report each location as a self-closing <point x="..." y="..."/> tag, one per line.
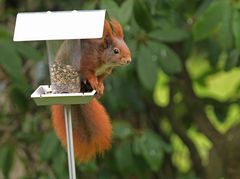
<point x="116" y="50"/>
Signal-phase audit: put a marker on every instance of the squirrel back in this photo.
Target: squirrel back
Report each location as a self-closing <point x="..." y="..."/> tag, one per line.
<point x="92" y="130"/>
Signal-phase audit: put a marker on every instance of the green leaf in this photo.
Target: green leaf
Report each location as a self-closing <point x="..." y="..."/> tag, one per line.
<point x="19" y="99"/>
<point x="11" y="61"/>
<point x="147" y="68"/>
<point x="4" y="32"/>
<point x="89" y="167"/>
<point x="168" y="59"/>
<point x="150" y="146"/>
<point x="236" y="28"/>
<point x="214" y="49"/>
<point x="137" y="142"/>
<point x="28" y="51"/>
<point x="122" y="129"/>
<point x="161" y="92"/>
<point x="169" y="35"/>
<point x="6" y="159"/>
<point x="208" y="21"/>
<point x="49" y="146"/>
<point x="122" y="13"/>
<point x="225" y="29"/>
<point x="126" y="11"/>
<point x="232" y="60"/>
<point x="142" y="15"/>
<point x="89" y="5"/>
<point x="236" y="4"/>
<point x="124" y="157"/>
<point x="59" y="163"/>
<point x="111" y="7"/>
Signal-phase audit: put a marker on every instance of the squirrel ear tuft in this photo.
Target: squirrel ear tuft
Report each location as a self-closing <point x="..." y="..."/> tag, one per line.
<point x="117" y="28"/>
<point x="107" y="30"/>
<point x="107" y="34"/>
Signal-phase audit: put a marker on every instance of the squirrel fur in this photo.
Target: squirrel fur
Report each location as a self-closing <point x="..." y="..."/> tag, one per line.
<point x="92" y="130"/>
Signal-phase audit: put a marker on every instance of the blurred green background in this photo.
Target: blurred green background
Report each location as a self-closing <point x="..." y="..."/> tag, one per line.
<point x="175" y="109"/>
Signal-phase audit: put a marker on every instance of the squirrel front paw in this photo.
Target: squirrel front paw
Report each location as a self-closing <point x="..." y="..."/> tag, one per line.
<point x="98" y="86"/>
<point x="100" y="89"/>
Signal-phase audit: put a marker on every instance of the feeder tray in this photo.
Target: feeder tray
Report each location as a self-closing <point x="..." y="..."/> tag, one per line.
<point x="43" y="96"/>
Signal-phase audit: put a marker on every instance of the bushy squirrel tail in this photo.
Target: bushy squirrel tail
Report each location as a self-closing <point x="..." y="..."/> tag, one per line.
<point x="92" y="130"/>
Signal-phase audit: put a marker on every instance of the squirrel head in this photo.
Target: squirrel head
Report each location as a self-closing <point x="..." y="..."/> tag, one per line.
<point x="116" y="52"/>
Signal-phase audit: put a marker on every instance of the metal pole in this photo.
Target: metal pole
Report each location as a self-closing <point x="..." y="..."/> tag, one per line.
<point x="69" y="137"/>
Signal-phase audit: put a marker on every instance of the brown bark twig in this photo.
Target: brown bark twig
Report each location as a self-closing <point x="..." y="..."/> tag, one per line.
<point x="196" y="107"/>
<point x="180" y="130"/>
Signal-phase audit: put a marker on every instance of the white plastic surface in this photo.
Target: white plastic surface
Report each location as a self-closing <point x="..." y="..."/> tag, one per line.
<point x="43" y="96"/>
<point x="59" y="25"/>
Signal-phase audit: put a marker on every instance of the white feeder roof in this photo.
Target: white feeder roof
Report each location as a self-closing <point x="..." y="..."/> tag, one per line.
<point x="59" y="25"/>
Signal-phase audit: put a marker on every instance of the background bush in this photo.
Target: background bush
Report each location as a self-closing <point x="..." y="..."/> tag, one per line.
<point x="175" y="109"/>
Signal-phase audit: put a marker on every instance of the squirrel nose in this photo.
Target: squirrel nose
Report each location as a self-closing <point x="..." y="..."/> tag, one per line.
<point x="127" y="60"/>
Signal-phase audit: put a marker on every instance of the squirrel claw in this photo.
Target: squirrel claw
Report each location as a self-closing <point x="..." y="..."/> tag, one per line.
<point x="98" y="86"/>
<point x="100" y="89"/>
<point x="84" y="81"/>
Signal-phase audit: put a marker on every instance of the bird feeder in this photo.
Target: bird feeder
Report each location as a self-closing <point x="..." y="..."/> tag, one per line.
<point x="62" y="31"/>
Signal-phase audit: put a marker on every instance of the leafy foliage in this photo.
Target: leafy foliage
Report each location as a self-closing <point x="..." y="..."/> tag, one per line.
<point x="174" y="109"/>
<point x="209" y="20"/>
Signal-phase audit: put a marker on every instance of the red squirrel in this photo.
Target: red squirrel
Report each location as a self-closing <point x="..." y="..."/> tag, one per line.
<point x="92" y="130"/>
